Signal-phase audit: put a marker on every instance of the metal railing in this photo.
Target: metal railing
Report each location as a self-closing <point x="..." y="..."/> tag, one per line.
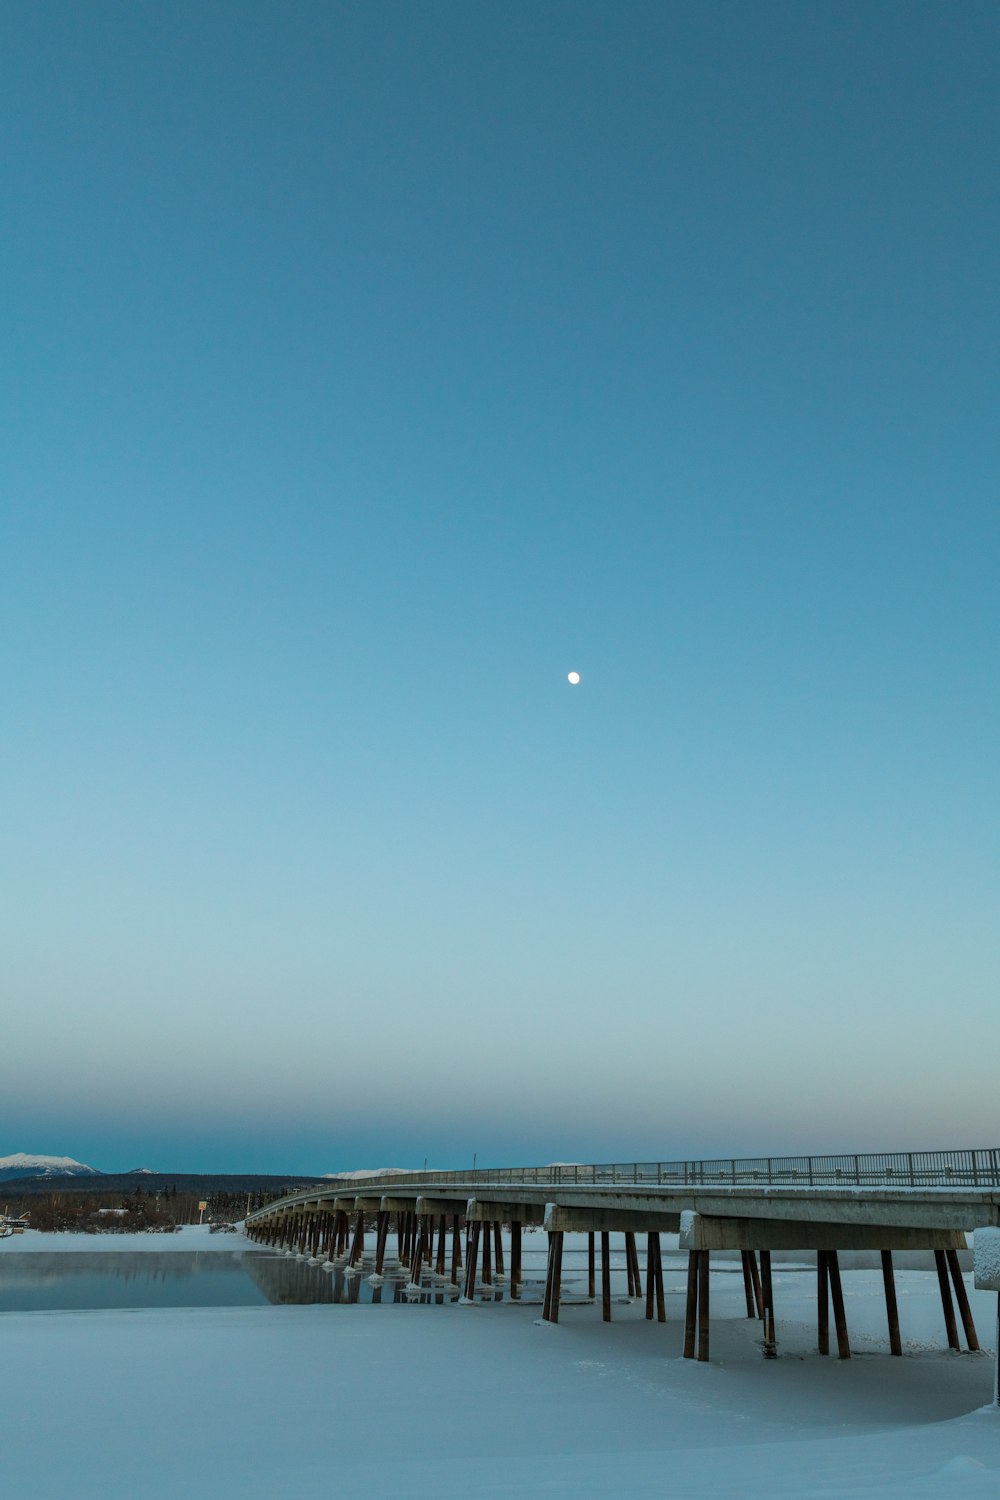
<point x="979" y="1168"/>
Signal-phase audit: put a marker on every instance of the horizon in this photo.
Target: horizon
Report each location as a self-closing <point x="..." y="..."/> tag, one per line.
<point x="374" y="370"/>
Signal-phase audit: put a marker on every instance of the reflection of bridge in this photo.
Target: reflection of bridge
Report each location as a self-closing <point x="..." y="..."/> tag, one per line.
<point x="451" y="1222"/>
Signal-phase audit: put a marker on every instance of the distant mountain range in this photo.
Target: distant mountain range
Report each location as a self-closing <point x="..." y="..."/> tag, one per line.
<point x="35" y="1176"/>
<point x="21" y="1165"/>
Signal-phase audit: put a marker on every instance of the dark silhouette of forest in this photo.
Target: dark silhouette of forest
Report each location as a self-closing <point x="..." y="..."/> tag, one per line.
<point x="135" y="1204"/>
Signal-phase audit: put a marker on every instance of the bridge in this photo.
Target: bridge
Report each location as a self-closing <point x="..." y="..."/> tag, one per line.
<point x="450" y="1223"/>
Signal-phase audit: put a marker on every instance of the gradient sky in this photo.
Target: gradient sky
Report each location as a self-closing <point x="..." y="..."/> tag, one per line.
<point x="366" y="368"/>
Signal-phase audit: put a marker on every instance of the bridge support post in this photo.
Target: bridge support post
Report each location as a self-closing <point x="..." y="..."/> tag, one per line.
<point x="606" y="1277"/>
<point x="767" y="1297"/>
<point x="553" y="1277"/>
<point x="487" y="1270"/>
<point x="961" y="1297"/>
<point x="661" y="1301"/>
<point x="703" y="1305"/>
<point x="381" y="1235"/>
<point x="758" y="1294"/>
<point x="456" y="1249"/>
<point x="751" y="1283"/>
<point x="632" y="1266"/>
<point x="591" y="1268"/>
<point x="472" y="1254"/>
<point x="691" y="1305"/>
<point x="822" y="1303"/>
<point x="557" y="1255"/>
<point x="515" y="1258"/>
<point x="654" y="1279"/>
<point x="892" y="1312"/>
<point x="358" y="1248"/>
<point x="839" y="1313"/>
<point x="946" y="1303"/>
<point x="547" y="1300"/>
<point x="497" y="1247"/>
<point x="442" y="1232"/>
<point x="418" y="1253"/>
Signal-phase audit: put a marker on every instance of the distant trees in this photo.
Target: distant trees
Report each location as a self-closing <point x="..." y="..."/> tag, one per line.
<point x="104" y="1213"/>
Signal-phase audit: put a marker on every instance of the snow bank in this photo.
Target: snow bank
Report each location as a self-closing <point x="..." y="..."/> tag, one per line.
<point x="986" y="1252"/>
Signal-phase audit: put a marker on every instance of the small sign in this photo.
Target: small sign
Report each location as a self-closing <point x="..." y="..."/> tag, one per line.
<point x="202" y="1207"/>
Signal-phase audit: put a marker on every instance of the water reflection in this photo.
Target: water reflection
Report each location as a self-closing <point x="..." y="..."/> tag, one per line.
<point x="88" y="1279"/>
<point x="289" y="1280"/>
<point x="78" y="1280"/>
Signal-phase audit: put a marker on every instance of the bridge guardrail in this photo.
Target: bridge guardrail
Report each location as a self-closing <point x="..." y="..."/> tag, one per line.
<point x="977" y="1168"/>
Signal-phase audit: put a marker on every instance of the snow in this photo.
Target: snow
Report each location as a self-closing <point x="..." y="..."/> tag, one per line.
<point x="189" y="1237"/>
<point x="367" y="1172"/>
<point x="418" y="1401"/>
<point x="986" y="1248"/>
<point x="54" y="1164"/>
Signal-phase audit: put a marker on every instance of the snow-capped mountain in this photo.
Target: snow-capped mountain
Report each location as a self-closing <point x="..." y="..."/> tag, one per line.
<point x="367" y="1172"/>
<point x="21" y="1165"/>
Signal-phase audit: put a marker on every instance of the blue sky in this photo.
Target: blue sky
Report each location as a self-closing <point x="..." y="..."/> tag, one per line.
<point x="367" y="369"/>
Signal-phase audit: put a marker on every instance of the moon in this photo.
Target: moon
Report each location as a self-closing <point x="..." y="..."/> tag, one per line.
<point x="573" y="677"/>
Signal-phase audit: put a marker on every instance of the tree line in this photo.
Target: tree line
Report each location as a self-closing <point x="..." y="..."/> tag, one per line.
<point x="164" y="1209"/>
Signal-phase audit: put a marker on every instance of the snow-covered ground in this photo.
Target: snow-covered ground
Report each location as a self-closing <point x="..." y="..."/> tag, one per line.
<point x="188" y="1237"/>
<point x="398" y="1401"/>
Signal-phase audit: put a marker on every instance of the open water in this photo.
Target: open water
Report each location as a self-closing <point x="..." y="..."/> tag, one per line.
<point x="65" y="1280"/>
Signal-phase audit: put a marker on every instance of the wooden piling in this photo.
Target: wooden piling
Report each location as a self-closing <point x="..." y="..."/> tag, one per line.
<point x="358" y="1248"/>
<point x="557" y="1255"/>
<point x="417" y="1258"/>
<point x="839" y="1313"/>
<point x="747" y="1285"/>
<point x="947" y="1305"/>
<point x="758" y="1294"/>
<point x="962" y="1298"/>
<point x="456" y="1247"/>
<point x="470" y="1259"/>
<point x="487" y="1271"/>
<point x="606" y="1277"/>
<point x="650" y="1274"/>
<point x="381" y="1236"/>
<point x="549" y="1263"/>
<point x="767" y="1298"/>
<point x="661" y="1304"/>
<point x="442" y="1237"/>
<point x="822" y="1303"/>
<point x="591" y="1268"/>
<point x="691" y="1305"/>
<point x="497" y="1247"/>
<point x="632" y="1258"/>
<point x="703" y="1305"/>
<point x="515" y="1258"/>
<point x="892" y="1312"/>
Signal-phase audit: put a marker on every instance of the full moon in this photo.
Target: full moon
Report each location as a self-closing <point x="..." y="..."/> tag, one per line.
<point x="573" y="677"/>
